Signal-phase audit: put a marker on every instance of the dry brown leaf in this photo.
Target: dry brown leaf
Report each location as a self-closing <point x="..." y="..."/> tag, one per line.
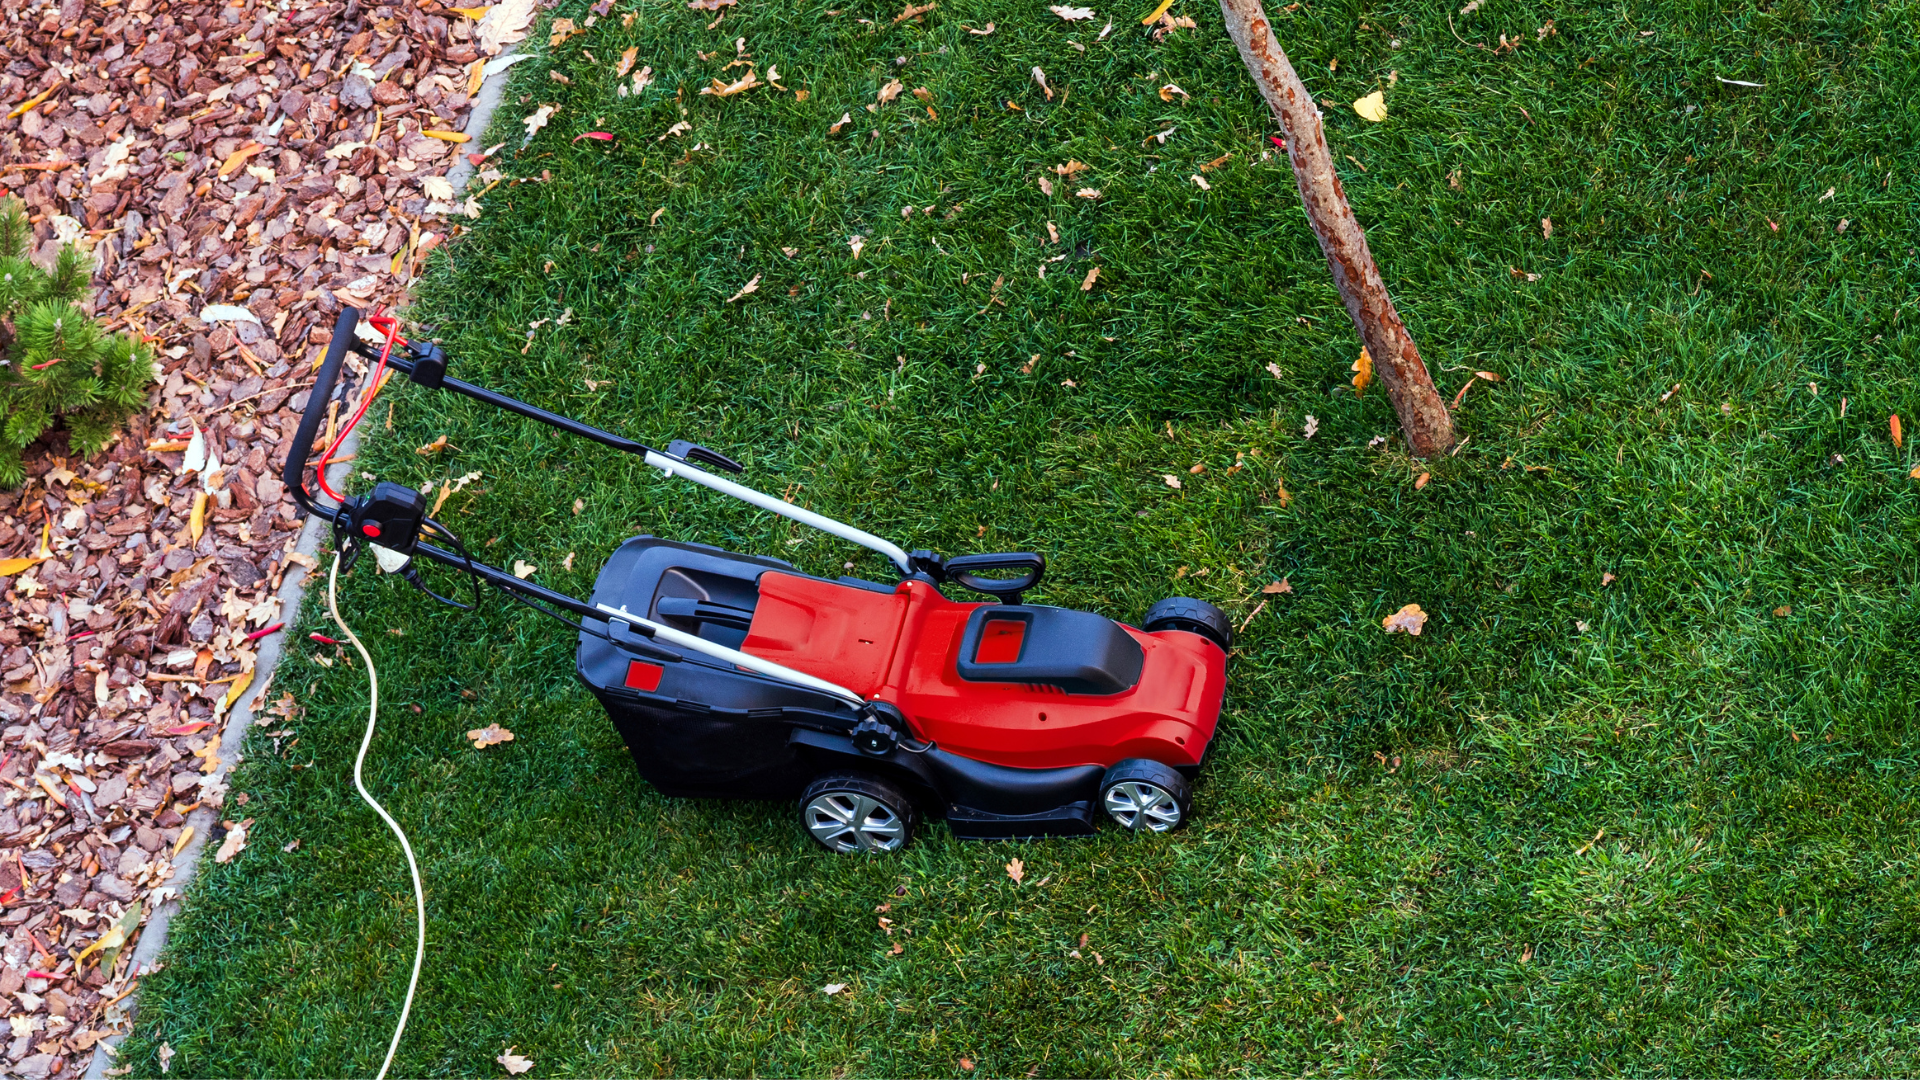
<point x="845" y="119"/>
<point x="1546" y="228"/>
<point x="491" y="735"/>
<point x="890" y="91"/>
<point x="433" y="447"/>
<point x="1281" y="586"/>
<point x="739" y="86"/>
<point x="1071" y="14"/>
<point x="1893" y="424"/>
<point x="1422" y="480"/>
<point x="1088" y="193"/>
<point x="510" y="1061"/>
<point x="1409" y="619"/>
<point x="979" y="33"/>
<point x="1167" y="92"/>
<point x="523" y="570"/>
<point x="748" y="289"/>
<point x="234" y="844"/>
<point x="626" y="62"/>
<point x="1086" y="284"/>
<point x="913" y="11"/>
<point x="1783" y="611"/>
<point x="1607" y="579"/>
<point x="1017" y="870"/>
<point x="709" y="5"/>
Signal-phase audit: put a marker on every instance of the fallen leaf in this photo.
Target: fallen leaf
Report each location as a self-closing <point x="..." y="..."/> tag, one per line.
<point x="1893" y="423"/>
<point x="748" y="289"/>
<point x="1409" y="619"/>
<point x="510" y="1061"/>
<point x="1422" y="480"/>
<point x="1167" y="92"/>
<point x="1312" y="426"/>
<point x="1362" y="371"/>
<point x="890" y="91"/>
<point x="966" y="1064"/>
<point x="472" y="12"/>
<point x="1086" y="284"/>
<point x="523" y="570"/>
<point x="437" y="188"/>
<point x="1783" y="611"/>
<point x="1046" y="186"/>
<point x="709" y="5"/>
<point x="1040" y="80"/>
<point x="197" y="519"/>
<point x="845" y="119"/>
<point x="1281" y="586"/>
<point x="1172" y="481"/>
<point x="1017" y="870"/>
<point x="234" y="844"/>
<point x="538" y="120"/>
<point x="1546" y="228"/>
<point x="913" y="11"/>
<point x="238" y="158"/>
<point x="1071" y="14"/>
<point x="1088" y="193"/>
<point x="491" y="735"/>
<point x="980" y="33"/>
<point x="739" y="86"/>
<point x="833" y="988"/>
<point x="1372" y="107"/>
<point x="503" y="24"/>
<point x="1153" y="16"/>
<point x="626" y="62"/>
<point x="680" y="128"/>
<point x="597" y="136"/>
<point x="227" y="313"/>
<point x="433" y="447"/>
<point x="165" y="1054"/>
<point x="1607" y="579"/>
<point x="1200" y="182"/>
<point x="857" y="243"/>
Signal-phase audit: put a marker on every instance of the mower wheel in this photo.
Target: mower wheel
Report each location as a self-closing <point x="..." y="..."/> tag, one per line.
<point x="1193" y="616"/>
<point x="1142" y="795"/>
<point x="850" y="813"/>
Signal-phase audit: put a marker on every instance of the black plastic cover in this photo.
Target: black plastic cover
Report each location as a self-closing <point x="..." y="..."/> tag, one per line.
<point x="1077" y="651"/>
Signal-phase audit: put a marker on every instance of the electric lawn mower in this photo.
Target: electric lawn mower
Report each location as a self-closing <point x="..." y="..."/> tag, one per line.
<point x="739" y="676"/>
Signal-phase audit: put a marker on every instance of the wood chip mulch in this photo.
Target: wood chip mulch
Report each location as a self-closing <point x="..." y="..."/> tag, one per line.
<point x="267" y="155"/>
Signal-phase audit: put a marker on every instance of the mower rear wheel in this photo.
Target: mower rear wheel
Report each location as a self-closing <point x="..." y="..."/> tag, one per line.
<point x="851" y="813"/>
<point x="1193" y="616"/>
<point x="1142" y="795"/>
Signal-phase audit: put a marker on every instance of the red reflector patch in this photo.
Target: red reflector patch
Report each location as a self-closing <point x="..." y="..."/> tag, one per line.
<point x="1000" y="641"/>
<point x="643" y="676"/>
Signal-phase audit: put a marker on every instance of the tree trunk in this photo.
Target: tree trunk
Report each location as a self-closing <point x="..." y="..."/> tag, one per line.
<point x="1423" y="416"/>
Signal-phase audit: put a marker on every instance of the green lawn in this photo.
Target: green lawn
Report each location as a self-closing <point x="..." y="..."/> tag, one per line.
<point x="1661" y="825"/>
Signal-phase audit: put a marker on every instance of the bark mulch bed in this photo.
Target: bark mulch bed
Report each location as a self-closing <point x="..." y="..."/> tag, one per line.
<point x="270" y="156"/>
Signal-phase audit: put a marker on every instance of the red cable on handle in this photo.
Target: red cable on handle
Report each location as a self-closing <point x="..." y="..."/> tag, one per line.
<point x="391" y="326"/>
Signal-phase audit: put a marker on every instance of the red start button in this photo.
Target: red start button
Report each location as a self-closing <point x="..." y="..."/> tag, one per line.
<point x="370" y="529"/>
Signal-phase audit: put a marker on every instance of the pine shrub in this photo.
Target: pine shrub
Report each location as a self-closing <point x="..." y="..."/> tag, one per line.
<point x="55" y="364"/>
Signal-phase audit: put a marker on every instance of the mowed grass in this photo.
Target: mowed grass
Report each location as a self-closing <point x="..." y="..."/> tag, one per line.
<point x="1660" y="823"/>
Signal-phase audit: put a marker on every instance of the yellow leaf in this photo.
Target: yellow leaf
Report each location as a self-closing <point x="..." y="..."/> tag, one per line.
<point x="1154" y="15"/>
<point x="489" y="736"/>
<point x="180" y="845"/>
<point x="239" y="157"/>
<point x="27" y="105"/>
<point x="448" y="136"/>
<point x="474" y="13"/>
<point x="46" y="530"/>
<point x="1409" y="619"/>
<point x="239" y="687"/>
<point x="10" y="567"/>
<point x="197" y="522"/>
<point x="1372" y="107"/>
<point x="1362" y="372"/>
<point x="476" y="74"/>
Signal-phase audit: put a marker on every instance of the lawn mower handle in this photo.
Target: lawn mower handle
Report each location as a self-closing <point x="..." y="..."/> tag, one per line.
<point x="293" y="474"/>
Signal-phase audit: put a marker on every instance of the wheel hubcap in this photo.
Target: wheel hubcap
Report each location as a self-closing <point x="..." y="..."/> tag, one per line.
<point x="1138" y="805"/>
<point x="847" y="821"/>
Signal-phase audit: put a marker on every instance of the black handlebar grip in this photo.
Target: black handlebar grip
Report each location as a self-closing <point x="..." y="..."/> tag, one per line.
<point x="293" y="474"/>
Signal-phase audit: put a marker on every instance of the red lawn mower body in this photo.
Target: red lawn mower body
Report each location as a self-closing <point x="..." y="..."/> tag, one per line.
<point x="909" y="647"/>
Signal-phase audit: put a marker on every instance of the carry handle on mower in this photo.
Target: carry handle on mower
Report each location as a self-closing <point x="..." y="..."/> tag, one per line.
<point x="961" y="569"/>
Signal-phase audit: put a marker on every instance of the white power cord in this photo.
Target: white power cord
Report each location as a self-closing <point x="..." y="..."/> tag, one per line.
<point x="419" y="895"/>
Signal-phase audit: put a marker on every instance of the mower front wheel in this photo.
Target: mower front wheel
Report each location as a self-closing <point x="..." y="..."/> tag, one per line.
<point x="1145" y="796"/>
<point x="1193" y="616"/>
<point x="853" y="813"/>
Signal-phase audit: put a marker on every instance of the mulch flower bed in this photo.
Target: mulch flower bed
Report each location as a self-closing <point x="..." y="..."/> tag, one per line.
<point x="264" y="155"/>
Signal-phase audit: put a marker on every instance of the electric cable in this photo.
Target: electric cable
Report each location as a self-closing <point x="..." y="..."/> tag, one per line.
<point x="419" y="894"/>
